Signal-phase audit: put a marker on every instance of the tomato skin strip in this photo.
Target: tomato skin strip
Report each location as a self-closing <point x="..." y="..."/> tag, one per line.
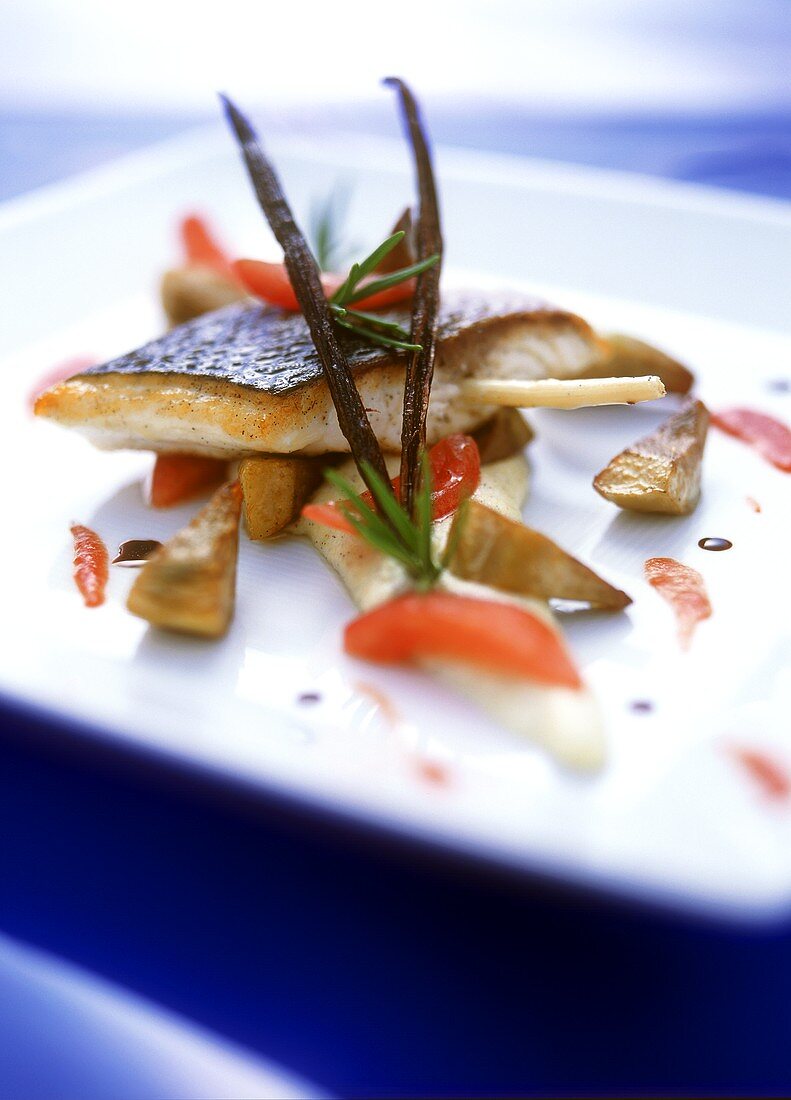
<point x="770" y="437"/>
<point x="270" y="282"/>
<point x="488" y="634"/>
<point x="200" y="246"/>
<point x="685" y="591"/>
<point x="91" y="564"/>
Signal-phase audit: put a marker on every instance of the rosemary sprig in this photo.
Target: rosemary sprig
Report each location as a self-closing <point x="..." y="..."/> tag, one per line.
<point x="406" y="540"/>
<point x="327" y="231"/>
<point x="369" y="326"/>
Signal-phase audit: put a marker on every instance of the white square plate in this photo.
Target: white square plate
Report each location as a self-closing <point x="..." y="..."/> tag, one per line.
<point x="672" y="817"/>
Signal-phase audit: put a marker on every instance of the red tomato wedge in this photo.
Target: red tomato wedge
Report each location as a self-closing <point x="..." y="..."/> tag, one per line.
<point x="91" y="564"/>
<point x="770" y="437"/>
<point x="200" y="246"/>
<point x="176" y="478"/>
<point x="455" y="474"/>
<point x="684" y="590"/>
<point x="487" y="634"/>
<point x="271" y="283"/>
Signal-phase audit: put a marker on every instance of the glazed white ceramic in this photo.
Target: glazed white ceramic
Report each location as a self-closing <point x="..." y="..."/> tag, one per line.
<point x="672" y="817"/>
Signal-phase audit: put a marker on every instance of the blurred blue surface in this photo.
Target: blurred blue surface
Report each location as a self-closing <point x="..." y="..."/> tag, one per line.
<point x="748" y="152"/>
<point x="371" y="969"/>
<point x="374" y="970"/>
<point x="66" y="1034"/>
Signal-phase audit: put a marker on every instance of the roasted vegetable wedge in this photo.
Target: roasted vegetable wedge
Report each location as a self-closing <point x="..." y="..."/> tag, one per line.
<point x="189" y="584"/>
<point x="189" y="292"/>
<point x="501" y="553"/>
<point x="626" y="356"/>
<point x="506" y="434"/>
<point x="661" y="472"/>
<point x="275" y="487"/>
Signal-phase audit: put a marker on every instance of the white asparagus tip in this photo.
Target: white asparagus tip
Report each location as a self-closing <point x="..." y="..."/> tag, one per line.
<point x="561" y="393"/>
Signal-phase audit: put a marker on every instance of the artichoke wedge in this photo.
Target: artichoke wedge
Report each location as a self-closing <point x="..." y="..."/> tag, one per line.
<point x="506" y="434"/>
<point x="496" y="551"/>
<point x="661" y="472"/>
<point x="189" y="292"/>
<point x="189" y="584"/>
<point x="275" y="487"/>
<point x="628" y="357"/>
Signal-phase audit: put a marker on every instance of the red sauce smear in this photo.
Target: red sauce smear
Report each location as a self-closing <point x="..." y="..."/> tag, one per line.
<point x="383" y="702"/>
<point x="684" y="590"/>
<point x="770" y="437"/>
<point x="771" y="777"/>
<point x="756" y="507"/>
<point x="176" y="478"/>
<point x="432" y="772"/>
<point x="91" y="564"/>
<point x="60" y="373"/>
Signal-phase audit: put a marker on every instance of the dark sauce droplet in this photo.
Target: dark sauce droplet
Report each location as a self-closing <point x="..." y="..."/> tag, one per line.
<point x="309" y="698"/>
<point x="715" y="544"/>
<point x="641" y="706"/>
<point x="136" y="551"/>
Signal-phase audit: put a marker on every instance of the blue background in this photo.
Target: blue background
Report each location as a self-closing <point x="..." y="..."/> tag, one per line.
<point x="370" y="967"/>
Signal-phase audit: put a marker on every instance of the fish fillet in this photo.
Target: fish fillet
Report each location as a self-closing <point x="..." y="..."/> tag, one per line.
<point x="246" y="379"/>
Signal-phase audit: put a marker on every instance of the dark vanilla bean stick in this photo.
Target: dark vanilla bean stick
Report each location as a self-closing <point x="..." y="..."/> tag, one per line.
<point x="304" y="276"/>
<point x="428" y="239"/>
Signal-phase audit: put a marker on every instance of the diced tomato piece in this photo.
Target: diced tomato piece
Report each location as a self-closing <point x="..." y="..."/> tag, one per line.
<point x="770" y="437"/>
<point x="496" y="636"/>
<point x="271" y="283"/>
<point x="176" y="478"/>
<point x="201" y="247"/>
<point x="685" y="591"/>
<point x="91" y="564"/>
<point x="455" y="475"/>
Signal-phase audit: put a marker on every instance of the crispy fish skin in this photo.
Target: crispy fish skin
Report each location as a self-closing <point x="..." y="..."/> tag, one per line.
<point x="246" y="379"/>
<point x="660" y="472"/>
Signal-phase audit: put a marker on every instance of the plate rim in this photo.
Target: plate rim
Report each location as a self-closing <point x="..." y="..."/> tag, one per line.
<point x="200" y="142"/>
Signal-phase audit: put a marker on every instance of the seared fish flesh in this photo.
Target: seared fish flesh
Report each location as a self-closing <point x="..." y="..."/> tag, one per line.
<point x="246" y="379"/>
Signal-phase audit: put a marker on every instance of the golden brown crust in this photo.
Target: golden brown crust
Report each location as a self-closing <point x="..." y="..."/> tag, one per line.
<point x="219" y="414"/>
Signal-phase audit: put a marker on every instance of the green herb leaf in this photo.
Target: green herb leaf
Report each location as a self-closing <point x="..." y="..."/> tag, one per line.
<point x="393" y="279"/>
<point x="365" y="325"/>
<point x="390" y="530"/>
<point x="326" y="229"/>
<point x="376" y="337"/>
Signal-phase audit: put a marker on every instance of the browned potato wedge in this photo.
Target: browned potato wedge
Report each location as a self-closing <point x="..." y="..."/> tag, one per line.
<point x="275" y="487"/>
<point x="628" y="357"/>
<point x="494" y="550"/>
<point x="189" y="292"/>
<point x="189" y="584"/>
<point x="506" y="434"/>
<point x="661" y="472"/>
